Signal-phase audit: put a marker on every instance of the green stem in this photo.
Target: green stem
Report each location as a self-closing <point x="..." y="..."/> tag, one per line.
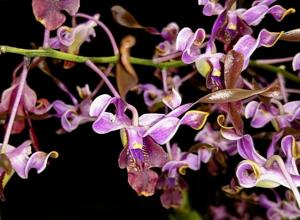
<point x="81" y="59"/>
<point x="47" y="52"/>
<point x="276" y="70"/>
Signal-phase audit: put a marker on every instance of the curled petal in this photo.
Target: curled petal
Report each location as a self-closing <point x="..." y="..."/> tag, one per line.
<point x="163" y="130"/>
<point x="100" y="104"/>
<point x="192" y="50"/>
<point x="38" y="161"/>
<point x="48" y="12"/>
<point x="70" y="120"/>
<point x="65" y="36"/>
<point x="246" y="150"/>
<point x="279" y="13"/>
<point x="291" y="149"/>
<point x="194" y="119"/>
<point x="247" y="173"/>
<point x="60" y="107"/>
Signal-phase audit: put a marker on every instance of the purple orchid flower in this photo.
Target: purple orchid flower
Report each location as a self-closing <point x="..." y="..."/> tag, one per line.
<point x="28" y="104"/>
<point x="170" y="182"/>
<point x="22" y="162"/>
<point x="214" y="138"/>
<point x="69" y="40"/>
<point x="231" y="24"/>
<point x="280" y="209"/>
<point x="190" y="44"/>
<point x="281" y="115"/>
<point x="48" y="12"/>
<point x="72" y="116"/>
<point x="169" y="34"/>
<point x="153" y="96"/>
<point x="141" y="136"/>
<point x="256" y="170"/>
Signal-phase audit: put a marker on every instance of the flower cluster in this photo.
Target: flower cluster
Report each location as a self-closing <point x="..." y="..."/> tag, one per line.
<point x="234" y="99"/>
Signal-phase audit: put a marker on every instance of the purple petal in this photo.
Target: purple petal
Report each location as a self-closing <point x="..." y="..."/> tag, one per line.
<point x="100" y="104"/>
<point x="183" y="38"/>
<point x="163" y="130"/>
<point x="149" y="119"/>
<point x="192" y="51"/>
<point x="267" y="38"/>
<point x="246" y="45"/>
<point x="261" y="117"/>
<point x="170" y="32"/>
<point x="291" y="150"/>
<point x="179" y="110"/>
<point x="246" y="150"/>
<point x="173" y="99"/>
<point x="211" y="8"/>
<point x="296" y="62"/>
<point x="247" y="173"/>
<point x="250" y="109"/>
<point x="157" y="156"/>
<point x="70" y="120"/>
<point x="254" y="15"/>
<point x="29" y="98"/>
<point x="107" y="123"/>
<point x="194" y="119"/>
<point x="65" y="35"/>
<point x="38" y="161"/>
<point x="278" y="12"/>
<point x="60" y="107"/>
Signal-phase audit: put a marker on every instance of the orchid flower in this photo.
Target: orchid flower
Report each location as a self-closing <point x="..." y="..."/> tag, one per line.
<point x="212" y="137"/>
<point x="231" y="24"/>
<point x="21" y="161"/>
<point x="280" y="209"/>
<point x="28" y="104"/>
<point x="72" y="116"/>
<point x="280" y="115"/>
<point x="256" y="170"/>
<point x="170" y="182"/>
<point x="70" y="39"/>
<point x="141" y="136"/>
<point x="154" y="96"/>
<point x="169" y="34"/>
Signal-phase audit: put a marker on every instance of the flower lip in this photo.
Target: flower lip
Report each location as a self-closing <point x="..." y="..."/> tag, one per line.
<point x="248" y="173"/>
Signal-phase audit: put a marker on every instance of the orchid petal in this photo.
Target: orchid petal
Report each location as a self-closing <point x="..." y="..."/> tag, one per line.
<point x="48" y="12"/>
<point x="194" y="119"/>
<point x="143" y="182"/>
<point x="38" y="161"/>
<point x="246" y="150"/>
<point x="183" y="38"/>
<point x="296" y="62"/>
<point x="107" y="123"/>
<point x="173" y="99"/>
<point x="163" y="130"/>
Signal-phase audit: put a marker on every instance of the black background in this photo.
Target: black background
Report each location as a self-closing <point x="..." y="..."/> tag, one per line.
<point x="85" y="181"/>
